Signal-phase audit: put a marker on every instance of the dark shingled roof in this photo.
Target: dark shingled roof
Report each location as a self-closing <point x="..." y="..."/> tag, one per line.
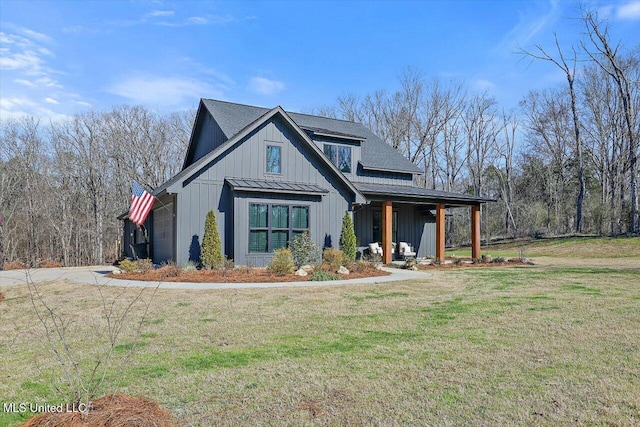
<point x="274" y="186"/>
<point x="376" y="154"/>
<point x="426" y="195"/>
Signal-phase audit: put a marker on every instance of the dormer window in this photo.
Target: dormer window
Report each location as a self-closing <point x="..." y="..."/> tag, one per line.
<point x="340" y="156"/>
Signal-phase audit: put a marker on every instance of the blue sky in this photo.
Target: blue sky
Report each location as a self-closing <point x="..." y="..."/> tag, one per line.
<point x="58" y="58"/>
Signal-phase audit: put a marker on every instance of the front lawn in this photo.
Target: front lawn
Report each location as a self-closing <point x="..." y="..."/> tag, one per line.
<point x="549" y="344"/>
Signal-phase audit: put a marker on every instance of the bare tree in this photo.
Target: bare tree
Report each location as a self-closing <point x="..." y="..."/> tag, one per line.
<point x="570" y="74"/>
<point x="611" y="62"/>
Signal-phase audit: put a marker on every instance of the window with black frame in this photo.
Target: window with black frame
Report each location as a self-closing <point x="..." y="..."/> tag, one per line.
<point x="340" y="156"/>
<point x="273" y="226"/>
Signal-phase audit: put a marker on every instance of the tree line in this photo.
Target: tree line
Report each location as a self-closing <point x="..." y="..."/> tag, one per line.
<point x="565" y="161"/>
<point x="63" y="184"/>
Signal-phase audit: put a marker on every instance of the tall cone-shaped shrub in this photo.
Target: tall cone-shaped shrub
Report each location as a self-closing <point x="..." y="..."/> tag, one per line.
<point x="348" y="238"/>
<point x="211" y="252"/>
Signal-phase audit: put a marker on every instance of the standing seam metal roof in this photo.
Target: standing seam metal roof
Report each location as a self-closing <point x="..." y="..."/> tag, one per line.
<point x="257" y="185"/>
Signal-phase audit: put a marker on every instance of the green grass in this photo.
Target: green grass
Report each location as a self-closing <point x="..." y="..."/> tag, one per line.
<point x="567" y="247"/>
<point x="552" y="344"/>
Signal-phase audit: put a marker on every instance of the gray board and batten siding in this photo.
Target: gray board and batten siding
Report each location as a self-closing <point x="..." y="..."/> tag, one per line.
<point x="207" y="190"/>
<point x="225" y="170"/>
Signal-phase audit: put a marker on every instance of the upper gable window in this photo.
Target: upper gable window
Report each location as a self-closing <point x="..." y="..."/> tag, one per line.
<point x="340" y="156"/>
<point x="274" y="159"/>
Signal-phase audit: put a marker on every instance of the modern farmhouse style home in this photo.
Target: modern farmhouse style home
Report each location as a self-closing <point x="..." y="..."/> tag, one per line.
<point x="269" y="174"/>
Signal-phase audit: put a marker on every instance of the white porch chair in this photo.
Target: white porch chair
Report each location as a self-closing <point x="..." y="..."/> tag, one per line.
<point x="406" y="251"/>
<point x="374" y="248"/>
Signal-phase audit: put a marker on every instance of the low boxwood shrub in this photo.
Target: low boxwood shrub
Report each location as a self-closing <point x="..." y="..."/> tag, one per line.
<point x="128" y="266"/>
<point x="321" y="276"/>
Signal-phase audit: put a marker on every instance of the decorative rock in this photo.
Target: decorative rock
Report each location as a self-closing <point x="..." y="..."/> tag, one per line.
<point x="301" y="272"/>
<point x="343" y="270"/>
<point x="116" y="271"/>
<point x="308" y="268"/>
<point x="413" y="268"/>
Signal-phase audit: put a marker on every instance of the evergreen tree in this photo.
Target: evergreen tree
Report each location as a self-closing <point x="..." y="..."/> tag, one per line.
<point x="211" y="253"/>
<point x="348" y="238"/>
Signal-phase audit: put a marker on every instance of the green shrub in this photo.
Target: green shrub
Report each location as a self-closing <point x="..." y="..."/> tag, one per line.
<point x="348" y="238"/>
<point x="321" y="276"/>
<point x="332" y="258"/>
<point x="282" y="262"/>
<point x="303" y="250"/>
<point x="498" y="260"/>
<point x="128" y="266"/>
<point x="211" y="252"/>
<point x="458" y="261"/>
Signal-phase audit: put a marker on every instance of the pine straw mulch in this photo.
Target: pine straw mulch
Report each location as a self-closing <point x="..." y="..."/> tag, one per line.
<point x="249" y="275"/>
<point x="110" y="411"/>
<point x="506" y="263"/>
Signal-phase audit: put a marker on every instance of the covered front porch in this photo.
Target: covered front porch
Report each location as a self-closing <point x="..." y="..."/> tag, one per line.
<point x="412" y="215"/>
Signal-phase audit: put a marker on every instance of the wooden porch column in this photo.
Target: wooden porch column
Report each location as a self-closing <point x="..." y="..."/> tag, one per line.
<point x="386" y="232"/>
<point x="475" y="232"/>
<point x="440" y="222"/>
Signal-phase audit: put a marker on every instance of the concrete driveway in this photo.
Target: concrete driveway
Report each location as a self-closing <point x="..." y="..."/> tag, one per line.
<point x="96" y="275"/>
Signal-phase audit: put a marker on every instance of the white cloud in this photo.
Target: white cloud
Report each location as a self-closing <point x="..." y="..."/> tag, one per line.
<point x="163" y="91"/>
<point x="16" y="107"/>
<point x="25" y="55"/>
<point x="16" y="103"/>
<point x="530" y="23"/>
<point x="35" y="35"/>
<point x="156" y="13"/>
<point x="629" y="10"/>
<point x="197" y="20"/>
<point x="25" y="82"/>
<point x="51" y="101"/>
<point x="265" y="86"/>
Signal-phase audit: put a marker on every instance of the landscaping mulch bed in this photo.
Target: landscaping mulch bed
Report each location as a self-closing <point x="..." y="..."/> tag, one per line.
<point x="113" y="411"/>
<point x="252" y="275"/>
<point x="506" y="263"/>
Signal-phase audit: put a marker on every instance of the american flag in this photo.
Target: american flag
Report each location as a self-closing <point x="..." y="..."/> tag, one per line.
<point x="141" y="204"/>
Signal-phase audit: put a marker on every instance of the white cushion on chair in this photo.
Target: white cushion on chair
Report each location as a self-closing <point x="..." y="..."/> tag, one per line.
<point x="405" y="249"/>
<point x="374" y="248"/>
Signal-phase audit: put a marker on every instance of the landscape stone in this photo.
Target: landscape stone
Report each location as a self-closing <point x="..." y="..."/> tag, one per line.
<point x="343" y="270"/>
